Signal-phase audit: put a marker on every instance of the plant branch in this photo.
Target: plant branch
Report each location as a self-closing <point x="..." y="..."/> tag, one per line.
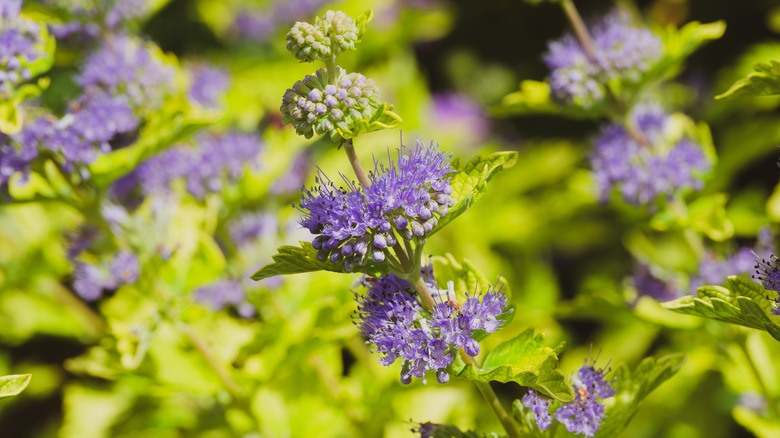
<point x="355" y="163"/>
<point x="492" y="399"/>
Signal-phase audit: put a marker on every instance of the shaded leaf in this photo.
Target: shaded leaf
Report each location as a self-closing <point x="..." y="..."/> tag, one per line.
<point x="14" y="384"/>
<point x="525" y="359"/>
<point x="764" y="81"/>
<point x="679" y="44"/>
<point x="742" y="302"/>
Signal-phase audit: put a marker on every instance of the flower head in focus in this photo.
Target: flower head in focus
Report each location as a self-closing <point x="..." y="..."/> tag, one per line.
<point x="354" y="225"/>
<point x="390" y="317"/>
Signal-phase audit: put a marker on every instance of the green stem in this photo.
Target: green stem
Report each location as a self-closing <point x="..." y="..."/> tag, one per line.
<point x="492" y="399"/>
<point x="580" y="29"/>
<point x="330" y="65"/>
<point x="355" y="163"/>
<point x="484" y="387"/>
<point x="757" y="374"/>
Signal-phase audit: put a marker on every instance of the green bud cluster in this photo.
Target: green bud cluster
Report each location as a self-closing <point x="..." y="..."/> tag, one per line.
<point x="334" y="33"/>
<point x="318" y="105"/>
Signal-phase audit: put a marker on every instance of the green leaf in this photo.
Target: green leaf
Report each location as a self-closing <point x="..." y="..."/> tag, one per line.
<point x="525" y="359"/>
<point x="159" y="134"/>
<point x="632" y="388"/>
<point x="299" y="259"/>
<point x="679" y="44"/>
<point x="764" y="81"/>
<point x="14" y="384"/>
<point x="706" y="214"/>
<point x="534" y="98"/>
<point x="743" y="302"/>
<point x="470" y="183"/>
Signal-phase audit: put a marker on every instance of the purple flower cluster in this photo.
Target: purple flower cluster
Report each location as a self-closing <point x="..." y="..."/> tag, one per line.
<point x="90" y="17"/>
<point x="622" y="52"/>
<point x="20" y="44"/>
<point x="768" y="273"/>
<point x="247" y="228"/>
<point x="458" y="114"/>
<point x="225" y="293"/>
<point x="77" y="137"/>
<point x="292" y="179"/>
<point x="315" y="106"/>
<point x="258" y="25"/>
<point x="208" y="85"/>
<point x="645" y="164"/>
<point x="214" y="158"/>
<point x="128" y="67"/>
<point x="647" y="284"/>
<point x="585" y="413"/>
<point x="405" y="200"/>
<point x="714" y="269"/>
<point x="90" y="280"/>
<point x="391" y="318"/>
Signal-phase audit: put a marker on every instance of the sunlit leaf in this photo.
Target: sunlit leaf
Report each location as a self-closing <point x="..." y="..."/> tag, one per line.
<point x="14" y="384"/>
<point x="742" y="302"/>
<point x="764" y="81"/>
<point x="524" y="359"/>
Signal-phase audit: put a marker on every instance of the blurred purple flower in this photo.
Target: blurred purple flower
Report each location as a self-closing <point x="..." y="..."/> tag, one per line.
<point x="647" y="284"/>
<point x="222" y="294"/>
<point x="90" y="280"/>
<point x="259" y="24"/>
<point x="248" y="227"/>
<point x="715" y="270"/>
<point x="208" y="85"/>
<point x="19" y="45"/>
<point x="622" y="51"/>
<point x="204" y="166"/>
<point x="124" y="268"/>
<point x="457" y="114"/>
<point x="126" y="66"/>
<point x="644" y="170"/>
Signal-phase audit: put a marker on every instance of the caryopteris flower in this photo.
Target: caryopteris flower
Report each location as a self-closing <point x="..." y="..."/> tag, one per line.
<point x="205" y="165"/>
<point x="330" y="35"/>
<point x="646" y="163"/>
<point x="540" y="407"/>
<point x="390" y="317"/>
<point x="90" y="280"/>
<point x="623" y="52"/>
<point x="129" y="67"/>
<point x="768" y="273"/>
<point x="585" y="414"/>
<point x="714" y="269"/>
<point x="222" y="294"/>
<point x="319" y="106"/>
<point x="648" y="284"/>
<point x="356" y="225"/>
<point x="208" y="85"/>
<point x="20" y="45"/>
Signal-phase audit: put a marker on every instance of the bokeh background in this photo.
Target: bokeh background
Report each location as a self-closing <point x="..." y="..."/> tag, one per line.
<point x="115" y="368"/>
